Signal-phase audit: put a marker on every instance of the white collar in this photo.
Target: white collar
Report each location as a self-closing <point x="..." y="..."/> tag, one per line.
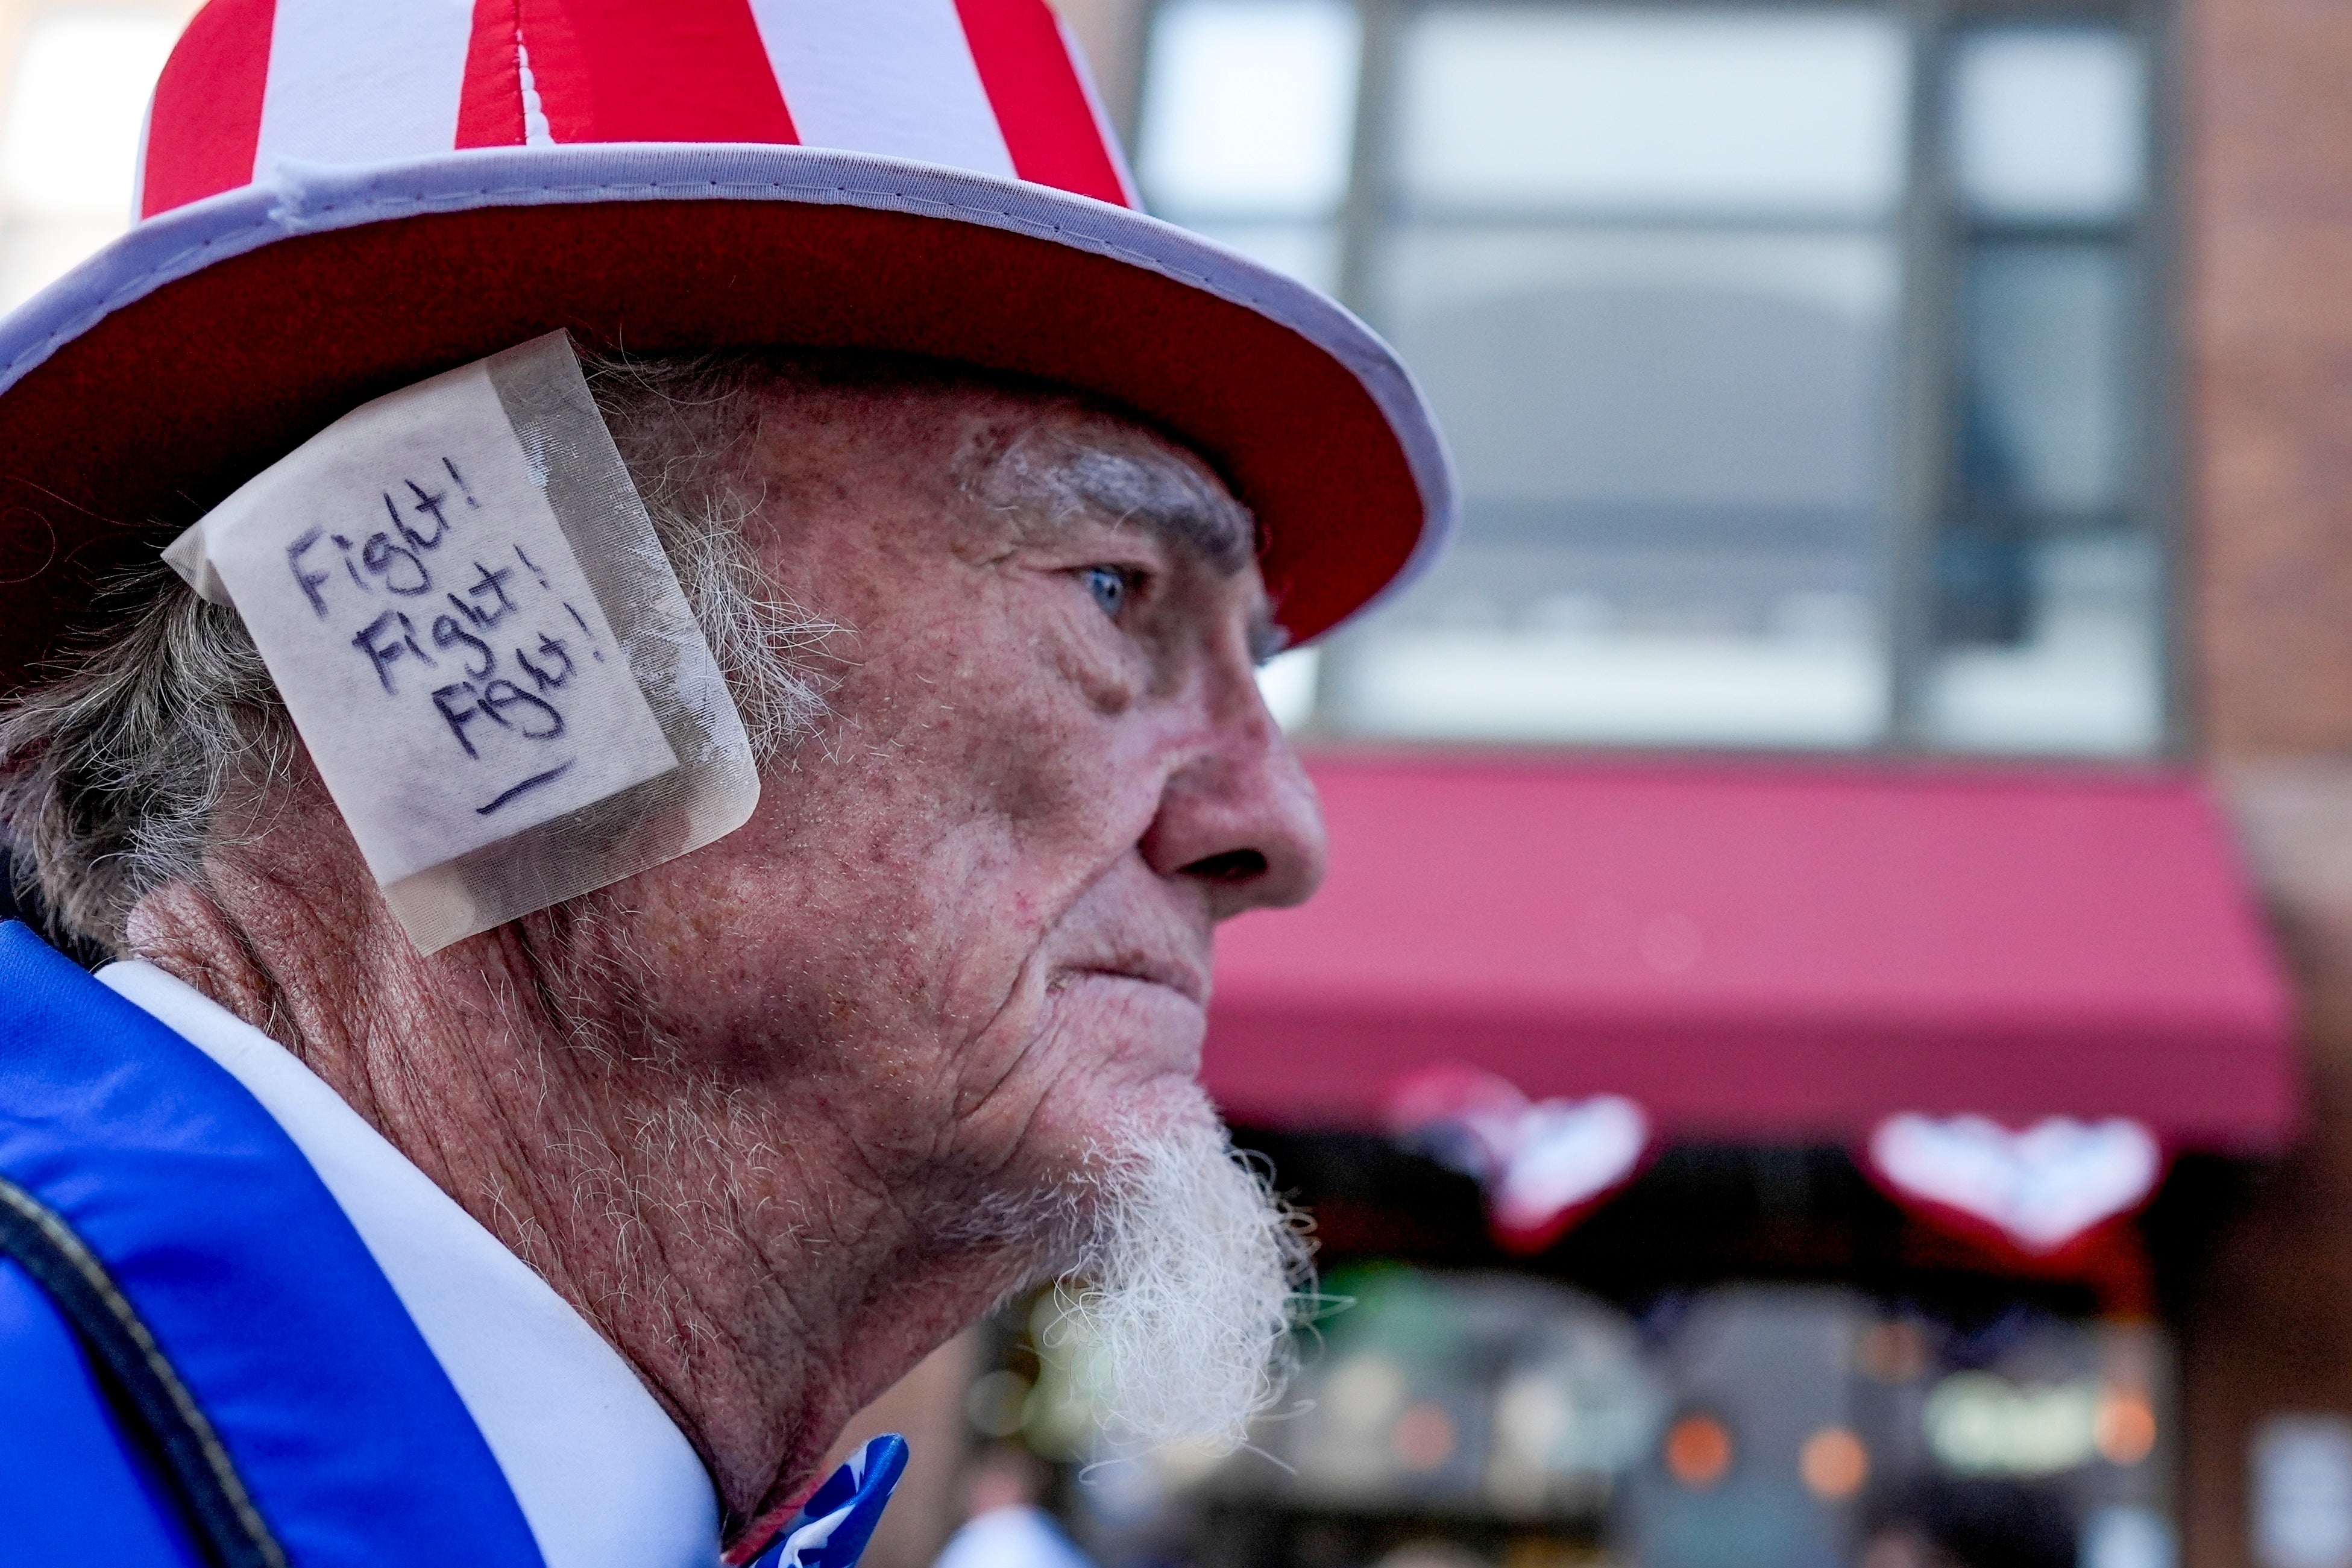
<point x="604" y="1475"/>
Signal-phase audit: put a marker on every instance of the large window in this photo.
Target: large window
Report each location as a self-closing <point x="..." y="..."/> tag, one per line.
<point x="1797" y="358"/>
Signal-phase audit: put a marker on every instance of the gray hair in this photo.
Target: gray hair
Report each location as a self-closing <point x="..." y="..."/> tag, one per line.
<point x="114" y="774"/>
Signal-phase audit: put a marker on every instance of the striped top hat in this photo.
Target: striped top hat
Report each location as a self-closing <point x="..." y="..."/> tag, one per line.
<point x="341" y="197"/>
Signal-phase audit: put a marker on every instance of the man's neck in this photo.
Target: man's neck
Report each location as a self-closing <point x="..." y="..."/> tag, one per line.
<point x="533" y="1080"/>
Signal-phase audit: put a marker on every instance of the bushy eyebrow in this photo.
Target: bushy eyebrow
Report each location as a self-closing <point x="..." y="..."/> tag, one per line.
<point x="1061" y="476"/>
<point x="1058" y="476"/>
<point x="1175" y="503"/>
<point x="1165" y="495"/>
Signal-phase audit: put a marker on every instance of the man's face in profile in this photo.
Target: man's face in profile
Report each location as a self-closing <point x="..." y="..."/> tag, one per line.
<point x="991" y="880"/>
<point x="976" y="908"/>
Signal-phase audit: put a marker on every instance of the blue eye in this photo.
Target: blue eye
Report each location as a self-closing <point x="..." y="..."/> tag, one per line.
<point x="1110" y="586"/>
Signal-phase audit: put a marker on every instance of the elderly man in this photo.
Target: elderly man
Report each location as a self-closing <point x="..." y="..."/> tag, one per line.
<point x="555" y="1192"/>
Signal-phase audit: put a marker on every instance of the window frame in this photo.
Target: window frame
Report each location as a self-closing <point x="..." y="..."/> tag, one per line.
<point x="1933" y="236"/>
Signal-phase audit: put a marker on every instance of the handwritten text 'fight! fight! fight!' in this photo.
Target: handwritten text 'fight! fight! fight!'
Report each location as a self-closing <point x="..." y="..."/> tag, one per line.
<point x="451" y="623"/>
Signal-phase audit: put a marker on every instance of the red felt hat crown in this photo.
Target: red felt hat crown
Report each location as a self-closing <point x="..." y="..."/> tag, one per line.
<point x="341" y="197"/>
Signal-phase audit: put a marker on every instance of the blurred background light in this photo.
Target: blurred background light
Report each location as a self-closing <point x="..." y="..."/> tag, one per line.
<point x="70" y="141"/>
<point x="1698" y="1451"/>
<point x="2128" y="1535"/>
<point x="1833" y="1463"/>
<point x="2302" y="1492"/>
<point x="1981" y="1424"/>
<point x="2125" y="1433"/>
<point x="1425" y="1437"/>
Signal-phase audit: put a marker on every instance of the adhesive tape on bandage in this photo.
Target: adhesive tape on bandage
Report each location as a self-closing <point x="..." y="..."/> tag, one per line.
<point x="467" y="610"/>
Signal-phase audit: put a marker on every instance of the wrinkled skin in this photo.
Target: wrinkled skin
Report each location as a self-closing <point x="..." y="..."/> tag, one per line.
<point x="769" y="1114"/>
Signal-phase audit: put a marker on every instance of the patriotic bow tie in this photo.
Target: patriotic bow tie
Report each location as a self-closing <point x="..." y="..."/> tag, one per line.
<point x="833" y="1527"/>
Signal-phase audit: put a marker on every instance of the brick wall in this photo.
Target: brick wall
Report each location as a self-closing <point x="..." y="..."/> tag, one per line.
<point x="2266" y="96"/>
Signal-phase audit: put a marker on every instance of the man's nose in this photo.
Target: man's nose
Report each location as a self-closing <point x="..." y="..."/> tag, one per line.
<point x="1240" y="817"/>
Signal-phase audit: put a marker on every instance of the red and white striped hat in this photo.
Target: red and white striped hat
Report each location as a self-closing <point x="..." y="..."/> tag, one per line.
<point x="341" y="197"/>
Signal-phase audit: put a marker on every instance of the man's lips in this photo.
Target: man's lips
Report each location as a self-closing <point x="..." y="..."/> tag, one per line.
<point x="1184" y="979"/>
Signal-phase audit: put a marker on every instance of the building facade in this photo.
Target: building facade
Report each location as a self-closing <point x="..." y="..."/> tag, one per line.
<point x="1927" y="388"/>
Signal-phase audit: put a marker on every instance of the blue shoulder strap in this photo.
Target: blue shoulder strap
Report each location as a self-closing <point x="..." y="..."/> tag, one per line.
<point x="75" y="1486"/>
<point x="209" y="1270"/>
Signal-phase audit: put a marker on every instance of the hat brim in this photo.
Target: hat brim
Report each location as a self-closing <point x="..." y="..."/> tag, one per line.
<point x="139" y="389"/>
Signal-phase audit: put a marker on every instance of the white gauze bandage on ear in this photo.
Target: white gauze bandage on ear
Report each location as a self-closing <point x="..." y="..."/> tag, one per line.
<point x="464" y="604"/>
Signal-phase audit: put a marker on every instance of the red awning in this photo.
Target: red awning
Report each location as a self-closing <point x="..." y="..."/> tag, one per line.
<point x="1767" y="954"/>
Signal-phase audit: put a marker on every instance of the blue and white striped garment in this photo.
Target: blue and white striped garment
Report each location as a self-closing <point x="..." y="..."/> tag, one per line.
<point x="833" y="1527"/>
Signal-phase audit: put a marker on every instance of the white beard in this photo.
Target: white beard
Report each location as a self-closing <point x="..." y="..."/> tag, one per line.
<point x="1191" y="1277"/>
